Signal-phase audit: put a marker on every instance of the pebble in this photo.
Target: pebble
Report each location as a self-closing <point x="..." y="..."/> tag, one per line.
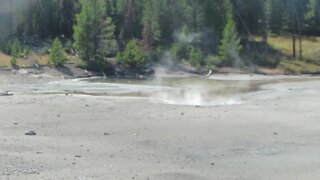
<point x="106" y="134"/>
<point x="30" y="133"/>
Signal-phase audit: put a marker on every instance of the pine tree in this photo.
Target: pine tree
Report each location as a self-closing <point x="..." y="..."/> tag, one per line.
<point x="311" y="17"/>
<point x="151" y="32"/>
<point x="130" y="20"/>
<point x="267" y="10"/>
<point x="82" y="35"/>
<point x="230" y="43"/>
<point x="108" y="44"/>
<point x="57" y="55"/>
<point x="133" y="56"/>
<point x="94" y="31"/>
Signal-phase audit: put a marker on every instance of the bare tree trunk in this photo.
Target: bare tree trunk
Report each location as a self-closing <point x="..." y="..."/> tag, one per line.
<point x="298" y="25"/>
<point x="58" y="18"/>
<point x="294" y="54"/>
<point x="300" y="46"/>
<point x="300" y="38"/>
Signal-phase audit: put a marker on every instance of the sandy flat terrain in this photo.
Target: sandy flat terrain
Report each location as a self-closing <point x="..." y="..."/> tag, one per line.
<point x="274" y="134"/>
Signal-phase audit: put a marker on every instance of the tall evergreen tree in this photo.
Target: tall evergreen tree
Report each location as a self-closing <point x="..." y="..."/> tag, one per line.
<point x="94" y="31"/>
<point x="57" y="56"/>
<point x="230" y="43"/>
<point x="151" y="32"/>
<point x="312" y="17"/>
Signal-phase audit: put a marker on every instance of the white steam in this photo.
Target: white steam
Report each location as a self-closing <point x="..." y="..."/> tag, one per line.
<point x="187" y="38"/>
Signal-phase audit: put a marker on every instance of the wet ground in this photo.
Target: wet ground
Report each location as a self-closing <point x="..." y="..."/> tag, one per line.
<point x="194" y="91"/>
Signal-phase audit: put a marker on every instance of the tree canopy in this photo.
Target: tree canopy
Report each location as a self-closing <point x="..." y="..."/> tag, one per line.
<point x="102" y="28"/>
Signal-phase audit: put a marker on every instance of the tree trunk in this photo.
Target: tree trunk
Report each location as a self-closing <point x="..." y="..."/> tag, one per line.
<point x="294" y="38"/>
<point x="300" y="39"/>
<point x="294" y="54"/>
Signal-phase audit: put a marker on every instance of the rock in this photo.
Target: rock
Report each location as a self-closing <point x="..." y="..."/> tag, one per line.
<point x="30" y="133"/>
<point x="6" y="93"/>
<point x="106" y="134"/>
<point x="23" y="72"/>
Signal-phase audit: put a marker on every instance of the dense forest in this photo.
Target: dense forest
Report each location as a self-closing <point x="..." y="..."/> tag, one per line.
<point x="204" y="33"/>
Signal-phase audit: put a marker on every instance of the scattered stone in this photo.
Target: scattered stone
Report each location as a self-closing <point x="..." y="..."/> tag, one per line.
<point x="106" y="134"/>
<point x="87" y="105"/>
<point x="15" y="124"/>
<point x="39" y="152"/>
<point x="6" y="93"/>
<point x="30" y="133"/>
<point x="275" y="133"/>
<point x="182" y="114"/>
<point x="23" y="72"/>
<point x="78" y="156"/>
<point x="212" y="164"/>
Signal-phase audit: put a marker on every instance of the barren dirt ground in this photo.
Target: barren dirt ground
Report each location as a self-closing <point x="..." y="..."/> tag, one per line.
<point x="274" y="134"/>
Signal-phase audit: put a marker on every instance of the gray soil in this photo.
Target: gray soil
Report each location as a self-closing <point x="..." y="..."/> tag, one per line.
<point x="275" y="134"/>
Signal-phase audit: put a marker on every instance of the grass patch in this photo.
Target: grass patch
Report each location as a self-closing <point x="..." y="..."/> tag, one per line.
<point x="310" y="47"/>
<point x="5" y="60"/>
<point x="310" y="63"/>
<point x="299" y="67"/>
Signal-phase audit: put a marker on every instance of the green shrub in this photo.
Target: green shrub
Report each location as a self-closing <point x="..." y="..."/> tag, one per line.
<point x="57" y="54"/>
<point x="213" y="61"/>
<point x="133" y="55"/>
<point x="198" y="66"/>
<point x="27" y="51"/>
<point x="179" y="51"/>
<point x="196" y="57"/>
<point x="68" y="46"/>
<point x="13" y="62"/>
<point x="14" y="48"/>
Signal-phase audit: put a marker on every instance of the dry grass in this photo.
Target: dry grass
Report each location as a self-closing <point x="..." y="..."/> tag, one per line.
<point x="310" y="62"/>
<point x="310" y="46"/>
<point x="299" y="67"/>
<point x="24" y="62"/>
<point x="4" y="59"/>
